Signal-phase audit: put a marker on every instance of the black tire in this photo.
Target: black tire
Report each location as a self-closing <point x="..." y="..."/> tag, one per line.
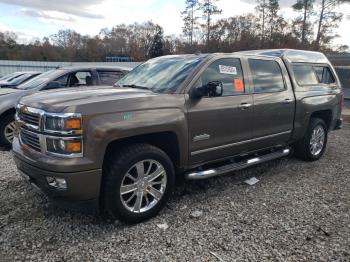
<point x="303" y="149"/>
<point x="117" y="166"/>
<point x="7" y="119"/>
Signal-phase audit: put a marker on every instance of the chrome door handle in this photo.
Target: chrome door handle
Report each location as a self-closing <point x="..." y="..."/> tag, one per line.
<point x="287" y="101"/>
<point x="244" y="106"/>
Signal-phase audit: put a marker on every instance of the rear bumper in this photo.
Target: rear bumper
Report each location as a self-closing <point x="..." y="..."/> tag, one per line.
<point x="83" y="188"/>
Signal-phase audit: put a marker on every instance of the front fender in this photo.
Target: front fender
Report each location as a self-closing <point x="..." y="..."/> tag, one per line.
<point x="107" y="128"/>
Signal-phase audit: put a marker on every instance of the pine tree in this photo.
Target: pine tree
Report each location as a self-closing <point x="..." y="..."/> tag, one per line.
<point x="209" y="8"/>
<point x="157" y="43"/>
<point x="190" y="19"/>
<point x="262" y="10"/>
<point x="306" y="7"/>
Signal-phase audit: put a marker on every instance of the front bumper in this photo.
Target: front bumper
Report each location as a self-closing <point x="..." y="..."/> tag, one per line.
<point x="83" y="188"/>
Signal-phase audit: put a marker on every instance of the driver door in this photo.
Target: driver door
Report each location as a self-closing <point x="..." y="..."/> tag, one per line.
<point x="221" y="126"/>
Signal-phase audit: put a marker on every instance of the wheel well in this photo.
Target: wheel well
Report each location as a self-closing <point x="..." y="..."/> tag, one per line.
<point x="8" y="112"/>
<point x="325" y="115"/>
<point x="166" y="141"/>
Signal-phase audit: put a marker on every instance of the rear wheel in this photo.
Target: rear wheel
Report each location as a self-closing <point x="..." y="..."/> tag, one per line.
<point x="7" y="131"/>
<point x="138" y="182"/>
<point x="313" y="145"/>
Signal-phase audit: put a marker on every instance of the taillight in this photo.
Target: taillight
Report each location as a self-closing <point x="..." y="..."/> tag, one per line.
<point x="342" y="103"/>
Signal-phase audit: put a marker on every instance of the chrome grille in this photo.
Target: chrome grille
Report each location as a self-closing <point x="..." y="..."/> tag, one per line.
<point x="30" y="139"/>
<point x="29" y="117"/>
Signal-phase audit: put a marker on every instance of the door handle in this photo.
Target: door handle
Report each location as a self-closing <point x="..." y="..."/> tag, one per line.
<point x="244" y="106"/>
<point x="287" y="101"/>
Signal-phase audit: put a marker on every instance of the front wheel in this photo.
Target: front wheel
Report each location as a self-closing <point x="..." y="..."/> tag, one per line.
<point x="138" y="182"/>
<point x="313" y="145"/>
<point x="7" y="131"/>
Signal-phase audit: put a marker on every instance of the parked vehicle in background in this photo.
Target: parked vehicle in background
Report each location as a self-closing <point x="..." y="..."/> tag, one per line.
<point x="17" y="79"/>
<point x="6" y="77"/>
<point x="191" y="116"/>
<point x="67" y="77"/>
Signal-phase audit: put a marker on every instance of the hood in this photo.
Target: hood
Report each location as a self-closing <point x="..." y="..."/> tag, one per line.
<point x="60" y="99"/>
<point x="6" y="91"/>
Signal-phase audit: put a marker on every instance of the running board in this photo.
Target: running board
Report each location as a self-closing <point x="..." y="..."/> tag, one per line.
<point x="204" y="174"/>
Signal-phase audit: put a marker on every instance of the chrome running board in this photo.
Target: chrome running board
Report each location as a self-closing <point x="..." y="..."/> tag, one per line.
<point x="204" y="174"/>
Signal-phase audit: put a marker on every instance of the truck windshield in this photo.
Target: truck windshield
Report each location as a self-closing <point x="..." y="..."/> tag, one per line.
<point x="161" y="75"/>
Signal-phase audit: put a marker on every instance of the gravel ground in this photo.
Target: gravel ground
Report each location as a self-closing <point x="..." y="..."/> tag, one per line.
<point x="297" y="212"/>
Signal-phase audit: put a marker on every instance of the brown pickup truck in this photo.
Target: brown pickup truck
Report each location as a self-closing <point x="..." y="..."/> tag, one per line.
<point x="186" y="116"/>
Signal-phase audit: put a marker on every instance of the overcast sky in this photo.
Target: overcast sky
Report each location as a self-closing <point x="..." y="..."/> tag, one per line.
<point x="38" y="18"/>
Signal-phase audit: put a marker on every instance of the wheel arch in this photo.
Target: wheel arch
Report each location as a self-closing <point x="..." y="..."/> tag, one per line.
<point x="7" y="112"/>
<point x="166" y="141"/>
<point x="325" y="115"/>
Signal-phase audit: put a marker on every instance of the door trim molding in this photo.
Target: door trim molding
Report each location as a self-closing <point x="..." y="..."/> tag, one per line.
<point x="194" y="153"/>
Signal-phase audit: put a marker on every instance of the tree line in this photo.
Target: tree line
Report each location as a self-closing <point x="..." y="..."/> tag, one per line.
<point x="314" y="28"/>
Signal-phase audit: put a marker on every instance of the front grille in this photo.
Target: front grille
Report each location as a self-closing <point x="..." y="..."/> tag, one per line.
<point x="30" y="139"/>
<point x="29" y="118"/>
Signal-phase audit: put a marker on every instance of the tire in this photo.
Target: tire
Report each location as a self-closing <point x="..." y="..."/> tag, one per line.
<point x="5" y="126"/>
<point x="122" y="171"/>
<point x="303" y="148"/>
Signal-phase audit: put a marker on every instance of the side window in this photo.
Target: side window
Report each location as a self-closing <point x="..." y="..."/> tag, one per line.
<point x="229" y="72"/>
<point x="267" y="76"/>
<point x="82" y="78"/>
<point x="305" y="75"/>
<point x="324" y="75"/>
<point x="110" y="77"/>
<point x="62" y="80"/>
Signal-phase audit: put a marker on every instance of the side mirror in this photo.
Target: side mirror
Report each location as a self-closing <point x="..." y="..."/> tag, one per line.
<point x="215" y="88"/>
<point x="198" y="92"/>
<point x="212" y="89"/>
<point x="53" y="85"/>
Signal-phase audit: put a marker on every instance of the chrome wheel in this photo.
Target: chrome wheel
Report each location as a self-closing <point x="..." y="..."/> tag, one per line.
<point x="143" y="186"/>
<point x="9" y="131"/>
<point x="317" y="140"/>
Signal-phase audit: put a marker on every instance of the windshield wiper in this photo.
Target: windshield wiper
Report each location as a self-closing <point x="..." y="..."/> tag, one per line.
<point x="138" y="87"/>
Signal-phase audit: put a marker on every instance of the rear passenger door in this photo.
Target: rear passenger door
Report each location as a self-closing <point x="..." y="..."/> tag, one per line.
<point x="274" y="102"/>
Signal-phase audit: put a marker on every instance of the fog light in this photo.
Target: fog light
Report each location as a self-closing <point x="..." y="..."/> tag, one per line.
<point x="59" y="183"/>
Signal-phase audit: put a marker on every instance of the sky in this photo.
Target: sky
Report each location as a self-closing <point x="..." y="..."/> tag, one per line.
<point x="32" y="19"/>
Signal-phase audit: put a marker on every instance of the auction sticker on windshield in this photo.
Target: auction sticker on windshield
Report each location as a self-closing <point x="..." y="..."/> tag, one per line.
<point x="231" y="70"/>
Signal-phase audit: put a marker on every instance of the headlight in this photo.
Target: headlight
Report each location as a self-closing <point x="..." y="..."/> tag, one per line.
<point x="63" y="123"/>
<point x="64" y="146"/>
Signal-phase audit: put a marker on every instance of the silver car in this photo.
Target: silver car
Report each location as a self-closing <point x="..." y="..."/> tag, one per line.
<point x="67" y="77"/>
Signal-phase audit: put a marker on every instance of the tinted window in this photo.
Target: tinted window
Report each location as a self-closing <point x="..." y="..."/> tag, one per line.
<point x="228" y="71"/>
<point x="62" y="80"/>
<point x="267" y="76"/>
<point x="324" y="74"/>
<point x="81" y="79"/>
<point x="109" y="77"/>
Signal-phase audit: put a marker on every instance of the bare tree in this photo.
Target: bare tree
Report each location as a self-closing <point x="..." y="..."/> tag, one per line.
<point x="328" y="20"/>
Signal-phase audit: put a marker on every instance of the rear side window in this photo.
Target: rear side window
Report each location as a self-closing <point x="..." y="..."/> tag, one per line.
<point x="110" y="77"/>
<point x="228" y="71"/>
<point x="267" y="76"/>
<point x="313" y="75"/>
<point x="324" y="75"/>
